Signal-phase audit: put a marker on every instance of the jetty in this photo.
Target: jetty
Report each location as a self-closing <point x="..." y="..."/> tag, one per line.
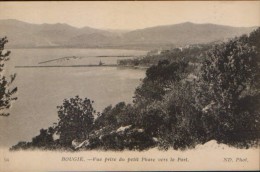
<point x="52" y="66"/>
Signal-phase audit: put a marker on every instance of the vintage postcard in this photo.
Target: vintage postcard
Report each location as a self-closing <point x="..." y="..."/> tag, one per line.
<point x="129" y="86"/>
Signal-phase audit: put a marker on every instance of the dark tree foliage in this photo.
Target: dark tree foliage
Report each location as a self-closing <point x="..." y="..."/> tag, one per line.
<point x="152" y="120"/>
<point x="229" y="77"/>
<point x="76" y="117"/>
<point x="120" y="115"/>
<point x="182" y="123"/>
<point x="116" y="129"/>
<point x="131" y="139"/>
<point x="110" y="115"/>
<point x="159" y="79"/>
<point x="254" y="40"/>
<point x="6" y="93"/>
<point x="44" y="138"/>
<point x="158" y="82"/>
<point x="21" y="146"/>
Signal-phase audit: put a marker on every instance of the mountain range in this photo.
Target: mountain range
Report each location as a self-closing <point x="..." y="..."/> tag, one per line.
<point x="26" y="35"/>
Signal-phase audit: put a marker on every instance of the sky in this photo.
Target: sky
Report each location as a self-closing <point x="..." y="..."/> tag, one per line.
<point x="133" y="15"/>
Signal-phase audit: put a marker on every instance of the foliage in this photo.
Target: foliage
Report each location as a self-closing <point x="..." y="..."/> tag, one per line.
<point x="120" y="115"/>
<point x="6" y="93"/>
<point x="44" y="138"/>
<point x="159" y="79"/>
<point x="76" y="118"/>
<point x="131" y="139"/>
<point x="190" y="53"/>
<point x="108" y="135"/>
<point x="182" y="123"/>
<point x="21" y="146"/>
<point x="229" y="76"/>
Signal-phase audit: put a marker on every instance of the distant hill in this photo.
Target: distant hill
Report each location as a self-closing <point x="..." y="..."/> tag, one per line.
<point x="21" y="34"/>
<point x="186" y="33"/>
<point x="26" y="35"/>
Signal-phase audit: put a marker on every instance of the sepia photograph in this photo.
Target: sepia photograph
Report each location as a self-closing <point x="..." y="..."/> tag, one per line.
<point x="129" y="85"/>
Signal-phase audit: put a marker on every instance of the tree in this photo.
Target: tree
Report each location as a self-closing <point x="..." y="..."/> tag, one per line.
<point x="254" y="40"/>
<point x="229" y="76"/>
<point x="175" y="121"/>
<point x="76" y="118"/>
<point x="159" y="79"/>
<point x="6" y="93"/>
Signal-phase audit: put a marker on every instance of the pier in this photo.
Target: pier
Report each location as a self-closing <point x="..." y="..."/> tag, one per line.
<point x="51" y="66"/>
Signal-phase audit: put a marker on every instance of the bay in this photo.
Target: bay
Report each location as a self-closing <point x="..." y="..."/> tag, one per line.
<point x="41" y="90"/>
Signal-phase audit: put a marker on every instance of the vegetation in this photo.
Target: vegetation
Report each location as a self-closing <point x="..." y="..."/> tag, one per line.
<point x="190" y="54"/>
<point x="6" y="93"/>
<point x="230" y="78"/>
<point x="189" y="97"/>
<point x="76" y="117"/>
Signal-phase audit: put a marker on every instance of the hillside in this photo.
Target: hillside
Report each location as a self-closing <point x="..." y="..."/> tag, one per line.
<point x="186" y="33"/>
<point x="26" y="35"/>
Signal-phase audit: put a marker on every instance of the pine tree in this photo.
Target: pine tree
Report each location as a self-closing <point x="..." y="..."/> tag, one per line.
<point x="6" y="93"/>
